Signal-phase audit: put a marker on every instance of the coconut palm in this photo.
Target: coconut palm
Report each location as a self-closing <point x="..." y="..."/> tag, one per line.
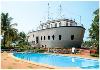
<point x="7" y="31"/>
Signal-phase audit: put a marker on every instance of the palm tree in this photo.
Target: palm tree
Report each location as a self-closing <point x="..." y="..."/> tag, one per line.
<point x="5" y="20"/>
<point x="11" y="36"/>
<point x="7" y="31"/>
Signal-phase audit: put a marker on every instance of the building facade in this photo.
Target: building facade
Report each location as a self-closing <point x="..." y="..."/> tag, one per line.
<point x="61" y="33"/>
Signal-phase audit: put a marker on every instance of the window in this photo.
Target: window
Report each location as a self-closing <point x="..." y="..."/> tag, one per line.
<point x="33" y="35"/>
<point x="44" y="37"/>
<point x="47" y="26"/>
<point x="70" y="24"/>
<point x="53" y="37"/>
<point x="66" y="24"/>
<point x="42" y="46"/>
<point x="41" y="37"/>
<point x="51" y="25"/>
<point x="55" y="24"/>
<point x="33" y="42"/>
<point x="59" y="37"/>
<point x="59" y="24"/>
<point x="48" y="37"/>
<point x="37" y="39"/>
<point x="72" y="37"/>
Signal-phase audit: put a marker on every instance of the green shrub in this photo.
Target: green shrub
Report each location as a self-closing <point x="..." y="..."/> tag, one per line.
<point x="95" y="55"/>
<point x="39" y="50"/>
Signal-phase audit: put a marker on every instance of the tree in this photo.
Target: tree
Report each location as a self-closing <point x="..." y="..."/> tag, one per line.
<point x="11" y="35"/>
<point x="22" y="35"/>
<point x="22" y="42"/>
<point x="7" y="31"/>
<point x="94" y="29"/>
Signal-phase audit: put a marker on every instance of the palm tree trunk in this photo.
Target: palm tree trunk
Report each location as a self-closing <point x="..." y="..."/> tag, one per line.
<point x="4" y="40"/>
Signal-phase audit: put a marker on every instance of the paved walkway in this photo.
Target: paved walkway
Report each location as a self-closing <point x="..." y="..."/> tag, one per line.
<point x="7" y="62"/>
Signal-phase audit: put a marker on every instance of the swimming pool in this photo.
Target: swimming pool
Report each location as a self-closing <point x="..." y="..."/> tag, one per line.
<point x="59" y="61"/>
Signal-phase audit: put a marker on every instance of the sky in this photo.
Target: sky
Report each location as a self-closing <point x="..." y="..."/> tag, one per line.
<point x="28" y="14"/>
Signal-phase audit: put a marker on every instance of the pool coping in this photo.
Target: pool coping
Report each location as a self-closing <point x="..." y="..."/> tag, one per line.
<point x="88" y="58"/>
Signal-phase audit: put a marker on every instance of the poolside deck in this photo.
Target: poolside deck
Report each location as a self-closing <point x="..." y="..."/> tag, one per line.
<point x="8" y="62"/>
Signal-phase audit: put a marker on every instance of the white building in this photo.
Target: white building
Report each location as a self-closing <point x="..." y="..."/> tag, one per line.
<point x="61" y="33"/>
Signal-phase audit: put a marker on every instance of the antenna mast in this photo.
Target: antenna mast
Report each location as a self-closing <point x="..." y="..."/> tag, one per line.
<point x="80" y="19"/>
<point x="60" y="10"/>
<point x="48" y="11"/>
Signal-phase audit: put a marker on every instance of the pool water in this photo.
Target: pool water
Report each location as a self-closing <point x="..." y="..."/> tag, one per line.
<point x="59" y="61"/>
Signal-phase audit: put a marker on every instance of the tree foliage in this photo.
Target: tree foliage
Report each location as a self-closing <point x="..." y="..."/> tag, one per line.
<point x="11" y="34"/>
<point x="7" y="31"/>
<point x="94" y="30"/>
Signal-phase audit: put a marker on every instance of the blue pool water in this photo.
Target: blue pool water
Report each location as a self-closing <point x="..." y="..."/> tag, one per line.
<point x="59" y="61"/>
